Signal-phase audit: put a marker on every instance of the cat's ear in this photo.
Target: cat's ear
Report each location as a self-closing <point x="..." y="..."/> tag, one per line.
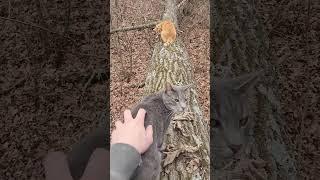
<point x="243" y="83"/>
<point x="186" y="87"/>
<point x="168" y="87"/>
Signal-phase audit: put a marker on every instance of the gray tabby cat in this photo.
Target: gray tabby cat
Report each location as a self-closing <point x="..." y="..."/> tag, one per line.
<point x="230" y="116"/>
<point x="159" y="110"/>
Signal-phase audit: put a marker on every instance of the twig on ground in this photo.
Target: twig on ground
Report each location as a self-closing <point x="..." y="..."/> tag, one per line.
<point x="88" y="82"/>
<point x="282" y="8"/>
<point x="308" y="26"/>
<point x="19" y="83"/>
<point x="142" y="26"/>
<point x="9" y="8"/>
<point x="277" y="14"/>
<point x="36" y="26"/>
<point x="141" y="85"/>
<point x="97" y="72"/>
<point x="42" y="12"/>
<point x="134" y="27"/>
<point x="82" y="54"/>
<point x="67" y="20"/>
<point x="181" y="3"/>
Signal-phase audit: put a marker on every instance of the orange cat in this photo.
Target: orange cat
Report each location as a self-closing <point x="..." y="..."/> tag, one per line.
<point x="167" y="31"/>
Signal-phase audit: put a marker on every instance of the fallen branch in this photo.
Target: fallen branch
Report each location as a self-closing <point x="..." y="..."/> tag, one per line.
<point x="141" y="85"/>
<point x="135" y="27"/>
<point x="81" y="54"/>
<point x="276" y="19"/>
<point x="9" y="8"/>
<point x="89" y="81"/>
<point x="142" y="26"/>
<point x="19" y="83"/>
<point x="99" y="73"/>
<point x="36" y="26"/>
<point x="181" y="3"/>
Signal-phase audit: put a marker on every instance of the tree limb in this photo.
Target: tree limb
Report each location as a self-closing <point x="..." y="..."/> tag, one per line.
<point x="36" y="26"/>
<point x="151" y="24"/>
<point x="142" y="26"/>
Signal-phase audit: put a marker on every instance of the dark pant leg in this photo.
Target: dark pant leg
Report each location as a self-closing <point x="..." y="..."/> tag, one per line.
<point x="80" y="154"/>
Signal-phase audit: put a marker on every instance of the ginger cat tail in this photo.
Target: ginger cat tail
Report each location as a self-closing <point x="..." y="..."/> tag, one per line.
<point x="167" y="31"/>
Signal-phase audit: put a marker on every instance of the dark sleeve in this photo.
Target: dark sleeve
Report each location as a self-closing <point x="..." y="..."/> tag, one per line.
<point x="124" y="159"/>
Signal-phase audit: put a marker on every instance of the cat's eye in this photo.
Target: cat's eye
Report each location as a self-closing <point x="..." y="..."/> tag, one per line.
<point x="176" y="100"/>
<point x="216" y="123"/>
<point x="244" y="121"/>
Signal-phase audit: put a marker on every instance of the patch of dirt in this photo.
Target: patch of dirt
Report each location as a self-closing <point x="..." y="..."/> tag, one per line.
<point x="293" y="28"/>
<point x="131" y="51"/>
<point x="44" y="66"/>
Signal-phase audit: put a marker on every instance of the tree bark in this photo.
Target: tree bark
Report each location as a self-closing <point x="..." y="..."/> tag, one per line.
<point x="186" y="152"/>
<point x="240" y="45"/>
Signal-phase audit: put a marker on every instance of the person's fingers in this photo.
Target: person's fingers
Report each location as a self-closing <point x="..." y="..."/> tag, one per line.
<point x="149" y="135"/>
<point x="114" y="133"/>
<point x="97" y="166"/>
<point x="112" y="139"/>
<point x="118" y="124"/>
<point x="127" y="115"/>
<point x="56" y="166"/>
<point x="141" y="115"/>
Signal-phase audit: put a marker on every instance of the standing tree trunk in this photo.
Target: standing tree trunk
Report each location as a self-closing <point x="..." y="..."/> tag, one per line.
<point x="187" y="140"/>
<point x="241" y="46"/>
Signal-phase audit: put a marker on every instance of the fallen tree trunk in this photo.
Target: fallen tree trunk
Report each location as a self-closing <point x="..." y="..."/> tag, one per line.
<point x="240" y="45"/>
<point x="186" y="155"/>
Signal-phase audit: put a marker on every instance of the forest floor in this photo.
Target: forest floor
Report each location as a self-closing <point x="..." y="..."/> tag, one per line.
<point x="294" y="41"/>
<point x="45" y="102"/>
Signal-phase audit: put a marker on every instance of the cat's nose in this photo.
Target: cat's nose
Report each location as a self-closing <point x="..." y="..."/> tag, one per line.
<point x="183" y="105"/>
<point x="235" y="148"/>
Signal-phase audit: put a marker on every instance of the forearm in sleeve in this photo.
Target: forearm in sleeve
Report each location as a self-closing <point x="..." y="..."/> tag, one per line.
<point x="124" y="159"/>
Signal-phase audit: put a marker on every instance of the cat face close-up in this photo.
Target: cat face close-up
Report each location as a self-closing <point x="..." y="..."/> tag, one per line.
<point x="174" y="97"/>
<point x="231" y="118"/>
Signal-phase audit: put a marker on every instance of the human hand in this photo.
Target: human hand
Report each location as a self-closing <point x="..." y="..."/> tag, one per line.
<point x="132" y="132"/>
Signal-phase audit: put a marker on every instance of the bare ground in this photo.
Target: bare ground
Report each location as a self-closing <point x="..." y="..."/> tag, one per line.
<point x="293" y="29"/>
<point x="43" y="71"/>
